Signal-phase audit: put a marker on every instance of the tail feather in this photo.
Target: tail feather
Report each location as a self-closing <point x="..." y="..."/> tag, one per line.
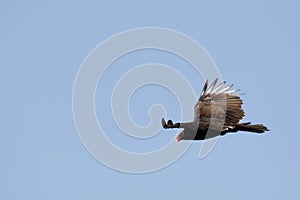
<point x="255" y="128"/>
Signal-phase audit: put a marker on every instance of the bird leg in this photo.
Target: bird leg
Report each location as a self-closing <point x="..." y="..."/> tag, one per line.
<point x="169" y="124"/>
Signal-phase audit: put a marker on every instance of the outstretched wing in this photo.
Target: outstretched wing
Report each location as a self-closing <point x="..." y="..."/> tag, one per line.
<point x="224" y="106"/>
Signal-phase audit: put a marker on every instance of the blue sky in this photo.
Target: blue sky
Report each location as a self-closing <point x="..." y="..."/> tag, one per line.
<point x="255" y="45"/>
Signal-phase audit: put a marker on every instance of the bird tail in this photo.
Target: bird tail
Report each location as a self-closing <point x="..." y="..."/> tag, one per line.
<point x="255" y="128"/>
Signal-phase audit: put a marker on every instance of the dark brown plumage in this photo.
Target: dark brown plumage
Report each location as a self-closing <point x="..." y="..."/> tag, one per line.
<point x="217" y="112"/>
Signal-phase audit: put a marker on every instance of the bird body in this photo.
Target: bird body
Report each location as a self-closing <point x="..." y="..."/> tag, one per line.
<point x="217" y="112"/>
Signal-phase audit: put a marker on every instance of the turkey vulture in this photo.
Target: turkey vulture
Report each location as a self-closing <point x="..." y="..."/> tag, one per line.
<point x="217" y="112"/>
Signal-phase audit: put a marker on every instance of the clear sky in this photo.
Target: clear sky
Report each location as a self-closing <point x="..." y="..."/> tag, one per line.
<point x="255" y="45"/>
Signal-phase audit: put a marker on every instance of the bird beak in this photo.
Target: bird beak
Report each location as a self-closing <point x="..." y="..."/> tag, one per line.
<point x="180" y="136"/>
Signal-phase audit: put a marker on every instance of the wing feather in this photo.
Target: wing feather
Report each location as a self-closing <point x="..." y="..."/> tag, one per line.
<point x="225" y="89"/>
<point x="203" y="93"/>
<point x="219" y="87"/>
<point x="211" y="87"/>
<point x="218" y="104"/>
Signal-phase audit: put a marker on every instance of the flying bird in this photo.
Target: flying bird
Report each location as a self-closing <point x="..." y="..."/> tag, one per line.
<point x="217" y="112"/>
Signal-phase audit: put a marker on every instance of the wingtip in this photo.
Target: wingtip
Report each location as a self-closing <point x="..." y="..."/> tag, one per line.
<point x="204" y="89"/>
<point x="212" y="86"/>
<point x="218" y="87"/>
<point x="216" y="80"/>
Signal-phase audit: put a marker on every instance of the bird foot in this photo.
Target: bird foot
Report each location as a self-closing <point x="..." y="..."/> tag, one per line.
<point x="169" y="124"/>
